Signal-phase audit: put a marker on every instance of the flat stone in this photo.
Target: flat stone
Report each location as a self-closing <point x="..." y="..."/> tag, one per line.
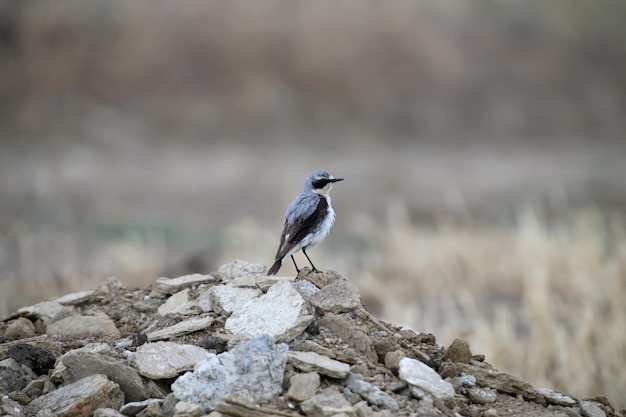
<point x="163" y="360"/>
<point x="107" y="412"/>
<point x="369" y="392"/>
<point x="556" y="398"/>
<point x="45" y="310"/>
<point x="135" y="407"/>
<point x="458" y="351"/>
<point x="228" y="298"/>
<point x="98" y="325"/>
<point x="19" y="328"/>
<point x="244" y="281"/>
<point x="281" y="313"/>
<point x="181" y="328"/>
<point x="81" y="398"/>
<point x="165" y="286"/>
<point x="252" y="370"/>
<point x="327" y="404"/>
<point x="179" y="304"/>
<point x="187" y="409"/>
<point x="303" y="386"/>
<point x="240" y="268"/>
<point x="489" y="377"/>
<point x="424" y="381"/>
<point x="339" y="297"/>
<point x="265" y="283"/>
<point x="591" y="409"/>
<point x="314" y="362"/>
<point x="81" y="364"/>
<point x="76" y="298"/>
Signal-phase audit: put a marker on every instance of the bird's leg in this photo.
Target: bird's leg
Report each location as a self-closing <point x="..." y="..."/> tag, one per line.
<point x="295" y="264"/>
<point x="307" y="256"/>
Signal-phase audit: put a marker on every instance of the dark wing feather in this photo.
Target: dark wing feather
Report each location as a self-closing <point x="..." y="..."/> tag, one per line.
<point x="300" y="229"/>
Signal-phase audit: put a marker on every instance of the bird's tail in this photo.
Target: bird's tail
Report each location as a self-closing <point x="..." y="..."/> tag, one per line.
<point x="275" y="267"/>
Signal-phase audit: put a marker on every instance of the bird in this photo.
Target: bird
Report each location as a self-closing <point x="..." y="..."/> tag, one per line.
<point x="308" y="219"/>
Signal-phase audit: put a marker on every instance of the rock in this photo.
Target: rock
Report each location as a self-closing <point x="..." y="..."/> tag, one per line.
<point x="556" y="398"/>
<point x="98" y="325"/>
<point x="281" y="313"/>
<point x="265" y="283"/>
<point x="81" y="398"/>
<point x="181" y="328"/>
<point x="12" y="379"/>
<point x="46" y="311"/>
<point x="81" y="364"/>
<point x="165" y="286"/>
<point x="179" y="304"/>
<point x="19" y="328"/>
<point x="240" y="268"/>
<point x="237" y="406"/>
<point x="228" y="298"/>
<point x="77" y="298"/>
<point x="244" y="281"/>
<point x="38" y="359"/>
<point x="458" y="351"/>
<point x="327" y="404"/>
<point x="489" y="377"/>
<point x="107" y="412"/>
<point x="482" y="395"/>
<point x="303" y="386"/>
<point x="392" y="360"/>
<point x="338" y="297"/>
<point x="253" y="370"/>
<point x="185" y="409"/>
<point x="305" y="288"/>
<point x="591" y="409"/>
<point x="424" y="381"/>
<point x="162" y="360"/>
<point x="135" y="407"/>
<point x="369" y="392"/>
<point x="314" y="362"/>
<point x="153" y="409"/>
<point x="351" y="333"/>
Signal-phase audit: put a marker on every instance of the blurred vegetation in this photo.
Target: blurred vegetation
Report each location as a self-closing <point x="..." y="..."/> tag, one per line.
<point x="482" y="144"/>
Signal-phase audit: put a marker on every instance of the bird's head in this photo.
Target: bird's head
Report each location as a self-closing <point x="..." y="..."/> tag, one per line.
<point x="320" y="182"/>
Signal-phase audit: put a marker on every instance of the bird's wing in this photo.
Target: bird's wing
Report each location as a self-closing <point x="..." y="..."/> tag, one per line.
<point x="294" y="232"/>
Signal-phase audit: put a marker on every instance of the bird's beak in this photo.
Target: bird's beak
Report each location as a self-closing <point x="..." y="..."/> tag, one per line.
<point x="337" y="179"/>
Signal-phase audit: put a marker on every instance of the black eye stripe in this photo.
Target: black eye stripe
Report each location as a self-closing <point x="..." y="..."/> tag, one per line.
<point x="317" y="184"/>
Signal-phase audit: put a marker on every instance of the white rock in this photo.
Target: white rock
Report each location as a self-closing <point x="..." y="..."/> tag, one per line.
<point x="162" y="360"/>
<point x="229" y="298"/>
<point x="75" y="297"/>
<point x="427" y="382"/>
<point x="179" y="304"/>
<point x="98" y="325"/>
<point x="164" y="286"/>
<point x="555" y="397"/>
<point x="240" y="268"/>
<point x="281" y="313"/>
<point x="253" y="370"/>
<point x="314" y="362"/>
<point x="46" y="310"/>
<point x="591" y="409"/>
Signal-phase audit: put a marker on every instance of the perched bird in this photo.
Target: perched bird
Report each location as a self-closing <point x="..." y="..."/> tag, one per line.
<point x="309" y="219"/>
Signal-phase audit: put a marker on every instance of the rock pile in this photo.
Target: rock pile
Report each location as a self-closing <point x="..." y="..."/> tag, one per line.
<point x="239" y="343"/>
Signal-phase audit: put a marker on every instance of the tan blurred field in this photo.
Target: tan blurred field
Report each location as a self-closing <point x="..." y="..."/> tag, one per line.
<point x="482" y="145"/>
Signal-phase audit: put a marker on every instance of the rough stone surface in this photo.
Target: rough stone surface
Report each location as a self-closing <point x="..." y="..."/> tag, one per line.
<point x="458" y="351"/>
<point x="107" y="412"/>
<point x="349" y="332"/>
<point x="179" y="304"/>
<point x="426" y="383"/>
<point x="19" y="328"/>
<point x="392" y="360"/>
<point x="165" y="286"/>
<point x="555" y="397"/>
<point x="98" y="325"/>
<point x="82" y="364"/>
<point x="39" y="359"/>
<point x="281" y="313"/>
<point x="240" y="268"/>
<point x="77" y="298"/>
<point x="228" y="298"/>
<point x="303" y="386"/>
<point x="337" y="297"/>
<point x="314" y="362"/>
<point x="186" y="409"/>
<point x="135" y="407"/>
<point x="81" y="398"/>
<point x="253" y="370"/>
<point x="181" y="328"/>
<point x="489" y="377"/>
<point x="327" y="404"/>
<point x="591" y="409"/>
<point x="46" y="311"/>
<point x="162" y="360"/>
<point x="482" y="395"/>
<point x="371" y="393"/>
<point x="12" y="379"/>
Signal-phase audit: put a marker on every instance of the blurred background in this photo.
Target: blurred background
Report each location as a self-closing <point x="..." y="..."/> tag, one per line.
<point x="482" y="145"/>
